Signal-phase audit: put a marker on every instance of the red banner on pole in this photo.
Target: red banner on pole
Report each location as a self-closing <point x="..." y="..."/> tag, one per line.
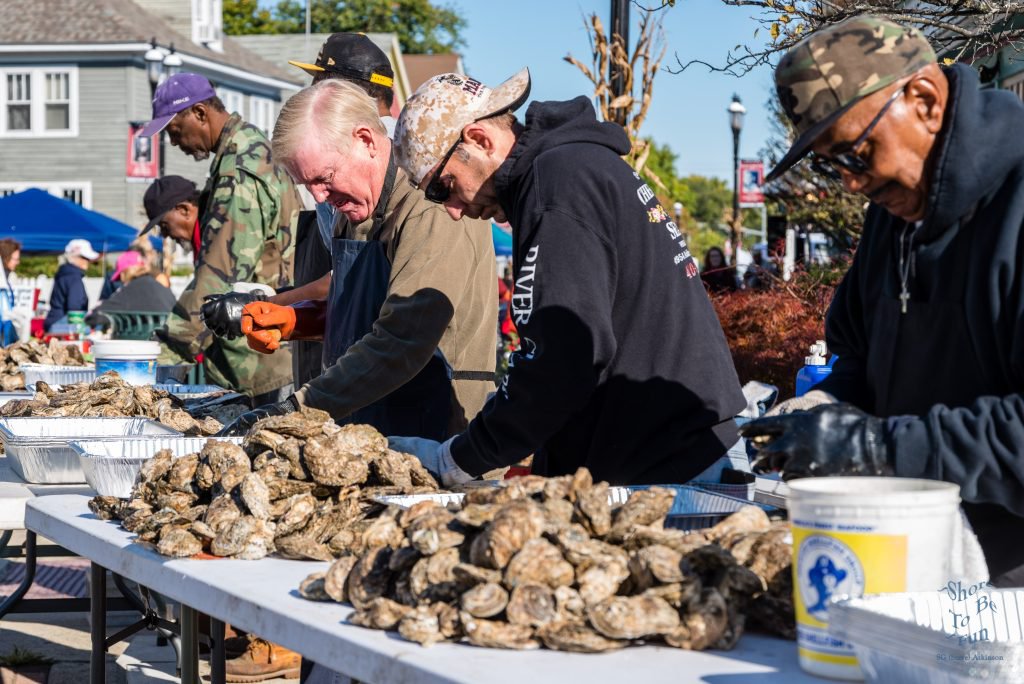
<point x="143" y="154"/>
<point x="751" y="178"/>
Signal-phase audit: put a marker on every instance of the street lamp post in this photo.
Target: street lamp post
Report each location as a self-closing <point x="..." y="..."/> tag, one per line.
<point x="736" y="111"/>
<point x="160" y="63"/>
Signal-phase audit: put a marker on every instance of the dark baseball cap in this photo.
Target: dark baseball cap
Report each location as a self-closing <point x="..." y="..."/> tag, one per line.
<point x="834" y="68"/>
<point x="163" y="195"/>
<point x="354" y="56"/>
<point x="176" y="94"/>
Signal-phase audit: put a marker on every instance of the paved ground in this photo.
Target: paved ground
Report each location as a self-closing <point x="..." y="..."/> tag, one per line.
<point x="64" y="637"/>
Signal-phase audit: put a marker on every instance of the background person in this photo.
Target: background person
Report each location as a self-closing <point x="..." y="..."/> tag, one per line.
<point x="247" y="214"/>
<point x="140" y="291"/>
<point x="10" y="257"/>
<point x="717" y="276"/>
<point x="68" y="293"/>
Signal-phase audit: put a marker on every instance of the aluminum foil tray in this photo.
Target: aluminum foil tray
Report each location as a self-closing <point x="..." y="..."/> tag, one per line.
<point x="111" y="466"/>
<point x="56" y="375"/>
<point x="38" y="448"/>
<point x="11" y="396"/>
<point x="693" y="508"/>
<point x="189" y="391"/>
<point x="915" y="638"/>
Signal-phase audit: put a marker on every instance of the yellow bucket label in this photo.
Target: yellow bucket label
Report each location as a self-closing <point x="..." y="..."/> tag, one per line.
<point x="838" y="563"/>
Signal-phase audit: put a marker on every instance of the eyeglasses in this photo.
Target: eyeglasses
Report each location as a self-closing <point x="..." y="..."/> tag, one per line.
<point x="437" y="190"/>
<point x="848" y="158"/>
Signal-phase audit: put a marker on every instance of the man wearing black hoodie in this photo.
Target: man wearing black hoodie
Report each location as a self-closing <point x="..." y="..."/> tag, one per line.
<point x="623" y="366"/>
<point x="929" y="321"/>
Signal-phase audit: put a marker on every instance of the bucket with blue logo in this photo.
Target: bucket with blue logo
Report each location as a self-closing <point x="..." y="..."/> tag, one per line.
<point x="134" y="360"/>
<point x="863" y="535"/>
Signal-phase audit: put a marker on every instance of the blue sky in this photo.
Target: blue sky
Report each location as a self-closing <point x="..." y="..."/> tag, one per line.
<point x="687" y="110"/>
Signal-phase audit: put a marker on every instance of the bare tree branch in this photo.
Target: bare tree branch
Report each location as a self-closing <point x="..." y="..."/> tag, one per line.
<point x="959" y="30"/>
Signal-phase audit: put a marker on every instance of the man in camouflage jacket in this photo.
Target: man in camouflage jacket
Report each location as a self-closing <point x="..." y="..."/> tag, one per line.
<point x="247" y="214"/>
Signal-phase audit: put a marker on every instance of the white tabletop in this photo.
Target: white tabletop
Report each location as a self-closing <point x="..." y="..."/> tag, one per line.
<point x="261" y="597"/>
<point x="15" y="493"/>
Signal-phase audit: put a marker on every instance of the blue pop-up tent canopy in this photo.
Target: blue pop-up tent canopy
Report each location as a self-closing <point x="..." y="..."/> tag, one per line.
<point x="44" y="223"/>
<point x="502" y="240"/>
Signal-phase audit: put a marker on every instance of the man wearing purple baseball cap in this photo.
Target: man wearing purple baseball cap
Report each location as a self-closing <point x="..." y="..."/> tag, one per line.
<point x="247" y="218"/>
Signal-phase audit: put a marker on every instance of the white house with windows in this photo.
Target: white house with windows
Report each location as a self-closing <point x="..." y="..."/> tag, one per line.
<point x="73" y="78"/>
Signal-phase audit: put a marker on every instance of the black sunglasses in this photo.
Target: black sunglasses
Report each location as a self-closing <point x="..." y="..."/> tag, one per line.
<point x="848" y="158"/>
<point x="437" y="190"/>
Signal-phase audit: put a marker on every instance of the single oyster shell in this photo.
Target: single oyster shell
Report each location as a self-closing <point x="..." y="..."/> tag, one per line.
<point x="747" y="519"/>
<point x="593" y="510"/>
<point x="576" y="638"/>
<point x="703" y="626"/>
<point x="531" y="604"/>
<point x="256" y="496"/>
<point x="330" y="464"/>
<point x="300" y="547"/>
<point x="513" y="526"/>
<point x="485" y="600"/>
<point x="539" y="562"/>
<point x="156" y="467"/>
<point x="643" y="507"/>
<point x="182" y="470"/>
<point x="336" y="578"/>
<point x="633" y="617"/>
<point x="298" y="511"/>
<point x="369" y="577"/>
<point x="380" y="613"/>
<point x="312" y="588"/>
<point x="598" y="582"/>
<point x="494" y="634"/>
<point x="222" y="512"/>
<point x="105" y="507"/>
<point x="178" y="542"/>
<point x="422" y="626"/>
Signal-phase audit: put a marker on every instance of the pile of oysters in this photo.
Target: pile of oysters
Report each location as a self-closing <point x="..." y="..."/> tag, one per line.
<point x="550" y="561"/>
<point x="299" y="485"/>
<point x="108" y="396"/>
<point x="33" y="351"/>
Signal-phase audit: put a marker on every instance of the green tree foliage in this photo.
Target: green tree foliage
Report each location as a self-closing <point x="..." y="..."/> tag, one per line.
<point x="244" y="17"/>
<point x="422" y="26"/>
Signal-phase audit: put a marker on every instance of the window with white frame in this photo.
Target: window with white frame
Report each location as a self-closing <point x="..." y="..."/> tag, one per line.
<point x="261" y="113"/>
<point x="233" y="100"/>
<point x="79" y="192"/>
<point x="39" y="101"/>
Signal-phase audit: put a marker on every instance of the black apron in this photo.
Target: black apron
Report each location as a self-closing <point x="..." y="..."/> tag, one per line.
<point x="359" y="286"/>
<point x="917" y="360"/>
<point x="312" y="262"/>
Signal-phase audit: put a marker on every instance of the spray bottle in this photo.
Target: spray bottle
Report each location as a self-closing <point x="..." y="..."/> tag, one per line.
<point x="815" y="368"/>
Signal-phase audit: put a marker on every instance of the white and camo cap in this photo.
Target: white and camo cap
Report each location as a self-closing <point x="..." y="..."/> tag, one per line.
<point x="434" y="116"/>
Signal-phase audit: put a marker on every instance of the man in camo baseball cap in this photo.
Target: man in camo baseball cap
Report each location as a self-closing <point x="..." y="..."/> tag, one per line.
<point x="829" y="72"/>
<point x="434" y="116"/>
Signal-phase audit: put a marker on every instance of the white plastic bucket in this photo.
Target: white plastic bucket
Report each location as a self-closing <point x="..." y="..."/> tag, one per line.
<point x="134" y="360"/>
<point x="863" y="535"/>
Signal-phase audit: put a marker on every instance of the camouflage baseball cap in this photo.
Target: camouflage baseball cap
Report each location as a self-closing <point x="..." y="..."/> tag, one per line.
<point x="434" y="116"/>
<point x="831" y="70"/>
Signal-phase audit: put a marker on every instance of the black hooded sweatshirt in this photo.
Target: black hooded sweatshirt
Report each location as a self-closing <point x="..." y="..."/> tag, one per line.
<point x="949" y="372"/>
<point x="623" y="367"/>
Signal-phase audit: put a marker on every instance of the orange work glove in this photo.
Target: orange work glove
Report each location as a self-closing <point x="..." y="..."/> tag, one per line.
<point x="265" y="325"/>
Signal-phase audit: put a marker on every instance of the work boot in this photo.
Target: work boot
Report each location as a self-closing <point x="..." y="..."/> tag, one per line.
<point x="263" y="660"/>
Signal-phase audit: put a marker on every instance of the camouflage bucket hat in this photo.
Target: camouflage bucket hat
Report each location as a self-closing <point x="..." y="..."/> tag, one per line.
<point x="828" y="72"/>
<point x="434" y="116"/>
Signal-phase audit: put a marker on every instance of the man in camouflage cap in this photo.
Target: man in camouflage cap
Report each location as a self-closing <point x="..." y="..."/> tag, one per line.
<point x="927" y="323"/>
<point x="247" y="213"/>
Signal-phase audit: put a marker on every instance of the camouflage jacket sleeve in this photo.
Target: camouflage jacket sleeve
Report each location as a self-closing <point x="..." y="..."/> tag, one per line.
<point x="238" y="222"/>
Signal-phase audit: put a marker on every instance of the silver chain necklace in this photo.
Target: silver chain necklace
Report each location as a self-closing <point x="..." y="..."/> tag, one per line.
<point x="905" y="264"/>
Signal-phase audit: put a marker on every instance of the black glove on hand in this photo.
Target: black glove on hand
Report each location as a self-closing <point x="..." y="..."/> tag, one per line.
<point x="832" y="439"/>
<point x="241" y="425"/>
<point x="222" y="313"/>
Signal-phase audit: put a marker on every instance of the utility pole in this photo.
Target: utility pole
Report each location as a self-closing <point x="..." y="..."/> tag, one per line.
<point x="620" y="26"/>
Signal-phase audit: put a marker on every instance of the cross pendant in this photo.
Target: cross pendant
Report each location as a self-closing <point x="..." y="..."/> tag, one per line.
<point x="904" y="297"/>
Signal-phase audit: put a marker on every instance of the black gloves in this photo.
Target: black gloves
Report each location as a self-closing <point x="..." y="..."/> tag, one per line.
<point x="832" y="439"/>
<point x="222" y="313"/>
<point x="241" y="425"/>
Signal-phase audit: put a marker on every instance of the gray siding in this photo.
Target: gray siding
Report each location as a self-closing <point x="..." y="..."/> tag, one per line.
<point x="110" y="96"/>
<point x="177" y="13"/>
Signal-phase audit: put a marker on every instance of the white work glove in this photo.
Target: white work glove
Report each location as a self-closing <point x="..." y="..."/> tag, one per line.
<point x="435" y="457"/>
<point x="804" y="403"/>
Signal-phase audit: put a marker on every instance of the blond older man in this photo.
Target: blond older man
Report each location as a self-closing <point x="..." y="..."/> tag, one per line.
<point x="409" y="324"/>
